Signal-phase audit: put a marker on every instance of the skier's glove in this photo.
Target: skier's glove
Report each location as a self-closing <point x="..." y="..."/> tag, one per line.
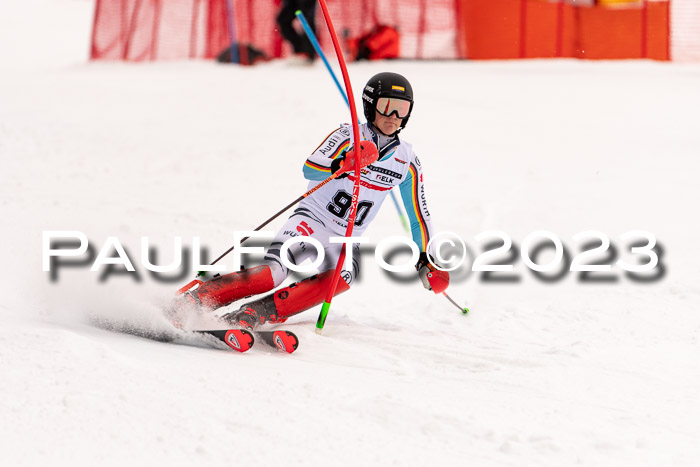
<point x="432" y="278"/>
<point x="346" y="163"/>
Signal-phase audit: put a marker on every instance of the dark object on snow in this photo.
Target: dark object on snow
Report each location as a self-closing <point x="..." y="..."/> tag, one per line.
<point x="246" y="55"/>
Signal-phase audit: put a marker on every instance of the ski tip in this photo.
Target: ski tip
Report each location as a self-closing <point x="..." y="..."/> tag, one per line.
<point x="285" y="340"/>
<point x="239" y="339"/>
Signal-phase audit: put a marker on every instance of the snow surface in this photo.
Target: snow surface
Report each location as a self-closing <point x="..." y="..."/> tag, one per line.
<point x="545" y="374"/>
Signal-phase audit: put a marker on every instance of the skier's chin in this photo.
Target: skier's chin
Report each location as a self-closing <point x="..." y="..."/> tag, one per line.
<point x="391" y="131"/>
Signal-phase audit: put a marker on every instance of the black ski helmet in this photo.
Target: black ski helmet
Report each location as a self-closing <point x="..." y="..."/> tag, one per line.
<point x="386" y="85"/>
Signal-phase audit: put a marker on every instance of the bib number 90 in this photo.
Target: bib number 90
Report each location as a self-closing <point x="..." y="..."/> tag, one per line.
<point x="340" y="205"/>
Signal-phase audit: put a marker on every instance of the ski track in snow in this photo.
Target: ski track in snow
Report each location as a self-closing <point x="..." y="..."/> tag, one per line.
<point x="542" y="374"/>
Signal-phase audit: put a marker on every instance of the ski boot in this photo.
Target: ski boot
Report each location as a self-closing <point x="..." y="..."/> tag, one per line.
<point x="286" y="302"/>
<point x="253" y="314"/>
<point x="222" y="290"/>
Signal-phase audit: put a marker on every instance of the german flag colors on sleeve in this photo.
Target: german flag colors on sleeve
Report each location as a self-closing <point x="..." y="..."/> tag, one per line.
<point x="318" y="165"/>
<point x="413" y="195"/>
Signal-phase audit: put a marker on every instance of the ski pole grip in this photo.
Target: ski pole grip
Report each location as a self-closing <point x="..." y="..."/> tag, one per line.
<point x="368" y="154"/>
<point x="439" y="280"/>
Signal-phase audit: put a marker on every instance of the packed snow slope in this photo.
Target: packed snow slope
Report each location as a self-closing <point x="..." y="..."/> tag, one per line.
<point x="542" y="373"/>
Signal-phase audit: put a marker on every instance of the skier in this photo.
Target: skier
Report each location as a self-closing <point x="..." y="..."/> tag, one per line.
<point x="387" y="101"/>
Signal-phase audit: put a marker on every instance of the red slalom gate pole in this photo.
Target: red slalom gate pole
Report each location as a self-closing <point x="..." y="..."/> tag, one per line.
<point x="356" y="188"/>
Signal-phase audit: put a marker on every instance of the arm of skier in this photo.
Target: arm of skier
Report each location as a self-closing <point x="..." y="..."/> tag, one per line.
<point x="336" y="155"/>
<point x="319" y="164"/>
<point x="414" y="199"/>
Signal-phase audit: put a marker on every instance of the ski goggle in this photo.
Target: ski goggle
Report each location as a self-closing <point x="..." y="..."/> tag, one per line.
<point x="389" y="105"/>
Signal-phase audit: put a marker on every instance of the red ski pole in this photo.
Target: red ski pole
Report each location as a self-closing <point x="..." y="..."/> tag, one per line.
<point x="356" y="189"/>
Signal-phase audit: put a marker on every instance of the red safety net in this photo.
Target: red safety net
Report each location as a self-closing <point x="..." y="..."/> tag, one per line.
<point x="179" y="29"/>
<point x="154" y="30"/>
<point x="428" y="29"/>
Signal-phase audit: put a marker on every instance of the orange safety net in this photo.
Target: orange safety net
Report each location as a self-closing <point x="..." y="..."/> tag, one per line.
<point x="638" y="32"/>
<point x="540" y="29"/>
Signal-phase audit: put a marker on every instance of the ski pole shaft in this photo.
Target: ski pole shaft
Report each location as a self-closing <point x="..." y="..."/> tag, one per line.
<point x="312" y="38"/>
<point x="402" y="216"/>
<point x="464" y="310"/>
<point x="308" y="193"/>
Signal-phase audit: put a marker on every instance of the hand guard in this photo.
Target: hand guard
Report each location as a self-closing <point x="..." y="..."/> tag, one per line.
<point x="368" y="154"/>
<point x="432" y="278"/>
